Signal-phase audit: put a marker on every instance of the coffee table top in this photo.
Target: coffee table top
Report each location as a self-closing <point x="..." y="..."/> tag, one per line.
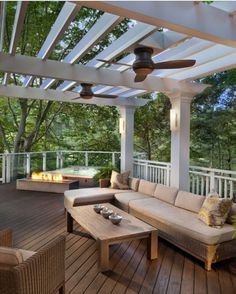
<point x="103" y="229"/>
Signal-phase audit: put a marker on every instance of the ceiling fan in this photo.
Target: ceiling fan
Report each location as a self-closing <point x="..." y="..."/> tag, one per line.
<point x="87" y="93"/>
<point x="143" y="64"/>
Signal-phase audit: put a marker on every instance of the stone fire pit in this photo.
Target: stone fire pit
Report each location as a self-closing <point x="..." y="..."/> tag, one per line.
<point x="46" y="185"/>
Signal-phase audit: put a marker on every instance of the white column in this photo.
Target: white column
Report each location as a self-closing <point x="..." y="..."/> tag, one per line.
<point x="127" y="138"/>
<point x="180" y="141"/>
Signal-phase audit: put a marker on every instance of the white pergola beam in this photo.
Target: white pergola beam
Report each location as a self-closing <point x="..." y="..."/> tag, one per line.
<point x="102" y="27"/>
<point x="202" y="21"/>
<point x="66" y="15"/>
<point x="80" y="73"/>
<point x="132" y="36"/>
<point x="21" y="9"/>
<point x="2" y="22"/>
<point x="67" y="96"/>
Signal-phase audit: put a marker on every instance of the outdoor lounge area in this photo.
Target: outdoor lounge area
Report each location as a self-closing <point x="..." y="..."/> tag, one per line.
<point x="37" y="218"/>
<point x="96" y="195"/>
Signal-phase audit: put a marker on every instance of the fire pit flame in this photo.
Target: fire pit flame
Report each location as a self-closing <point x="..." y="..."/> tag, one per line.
<point x="47" y="177"/>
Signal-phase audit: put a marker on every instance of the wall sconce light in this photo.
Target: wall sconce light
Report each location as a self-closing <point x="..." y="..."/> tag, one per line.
<point x="122" y="125"/>
<point x="173" y="120"/>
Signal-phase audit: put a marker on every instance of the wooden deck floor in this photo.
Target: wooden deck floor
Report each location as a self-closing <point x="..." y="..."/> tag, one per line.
<point x="37" y="218"/>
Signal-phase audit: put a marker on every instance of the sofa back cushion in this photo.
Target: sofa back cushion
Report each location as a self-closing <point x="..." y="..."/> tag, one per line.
<point x="10" y="256"/>
<point x="231" y="213"/>
<point x="189" y="201"/>
<point x="133" y="184"/>
<point x="165" y="193"/>
<point x="146" y="187"/>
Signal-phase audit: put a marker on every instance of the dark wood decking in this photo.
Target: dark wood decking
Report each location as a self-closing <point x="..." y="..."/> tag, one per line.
<point x="37" y="218"/>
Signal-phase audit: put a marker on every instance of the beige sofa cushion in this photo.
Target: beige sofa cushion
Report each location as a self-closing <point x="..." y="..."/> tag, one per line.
<point x="146" y="187"/>
<point x="10" y="256"/>
<point x="122" y="199"/>
<point x="231" y="213"/>
<point x="189" y="201"/>
<point x="165" y="193"/>
<point x="177" y="222"/>
<point x="89" y="196"/>
<point x="133" y="184"/>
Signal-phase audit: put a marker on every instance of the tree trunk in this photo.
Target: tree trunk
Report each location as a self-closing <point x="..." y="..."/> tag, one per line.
<point x="22" y="124"/>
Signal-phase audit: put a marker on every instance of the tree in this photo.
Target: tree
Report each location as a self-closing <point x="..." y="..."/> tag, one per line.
<point x="152" y="128"/>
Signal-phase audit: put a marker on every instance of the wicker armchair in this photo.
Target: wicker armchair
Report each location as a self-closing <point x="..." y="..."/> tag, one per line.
<point x="42" y="273"/>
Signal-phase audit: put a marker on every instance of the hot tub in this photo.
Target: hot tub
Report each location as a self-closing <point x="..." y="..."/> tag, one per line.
<point x="82" y="173"/>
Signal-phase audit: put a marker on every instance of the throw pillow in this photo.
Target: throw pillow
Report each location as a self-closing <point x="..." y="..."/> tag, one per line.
<point x="120" y="181"/>
<point x="215" y="210"/>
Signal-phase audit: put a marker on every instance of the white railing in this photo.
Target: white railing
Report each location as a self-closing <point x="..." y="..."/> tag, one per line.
<point x="201" y="180"/>
<point x="22" y="164"/>
<point x="154" y="171"/>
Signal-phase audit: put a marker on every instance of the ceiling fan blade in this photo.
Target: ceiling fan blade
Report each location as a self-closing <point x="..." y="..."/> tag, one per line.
<point x="139" y="78"/>
<point x="105" y="96"/>
<point x="76" y="98"/>
<point x="174" y="64"/>
<point x="112" y="62"/>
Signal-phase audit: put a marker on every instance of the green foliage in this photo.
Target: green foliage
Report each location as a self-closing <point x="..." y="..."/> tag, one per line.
<point x="234" y="224"/>
<point x="152" y="134"/>
<point x="105" y="172"/>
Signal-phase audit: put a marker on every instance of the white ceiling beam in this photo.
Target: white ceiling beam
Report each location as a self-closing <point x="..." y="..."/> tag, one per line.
<point x="101" y="28"/>
<point x="65" y="17"/>
<point x="132" y="36"/>
<point x="202" y="21"/>
<point x="21" y="9"/>
<point x="55" y="69"/>
<point x="163" y="40"/>
<point x="59" y="96"/>
<point x="2" y="22"/>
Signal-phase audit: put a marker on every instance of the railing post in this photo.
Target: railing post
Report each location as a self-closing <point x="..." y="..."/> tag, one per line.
<point x="8" y="168"/>
<point x="212" y="181"/>
<point x="61" y="159"/>
<point x="3" y="168"/>
<point x="44" y="161"/>
<point x="113" y="159"/>
<point x="146" y="170"/>
<point x="168" y="175"/>
<point x="86" y="158"/>
<point x="28" y="168"/>
<point x="58" y="160"/>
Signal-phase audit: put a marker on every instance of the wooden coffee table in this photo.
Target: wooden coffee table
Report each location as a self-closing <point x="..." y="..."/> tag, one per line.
<point x="106" y="233"/>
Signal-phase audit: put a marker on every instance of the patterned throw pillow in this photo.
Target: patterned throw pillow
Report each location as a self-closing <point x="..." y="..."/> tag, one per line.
<point x="215" y="210"/>
<point x="120" y="181"/>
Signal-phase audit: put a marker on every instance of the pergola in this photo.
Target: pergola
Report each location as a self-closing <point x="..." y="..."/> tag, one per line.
<point x="192" y="30"/>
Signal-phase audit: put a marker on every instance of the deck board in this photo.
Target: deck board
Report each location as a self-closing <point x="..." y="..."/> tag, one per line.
<point x="37" y="218"/>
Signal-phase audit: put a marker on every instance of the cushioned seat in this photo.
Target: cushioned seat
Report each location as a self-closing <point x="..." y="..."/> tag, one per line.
<point x="89" y="196"/>
<point x="173" y="221"/>
<point x="122" y="199"/>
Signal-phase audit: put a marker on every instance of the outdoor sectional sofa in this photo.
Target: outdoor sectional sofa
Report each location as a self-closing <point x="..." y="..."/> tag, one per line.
<point x="174" y="213"/>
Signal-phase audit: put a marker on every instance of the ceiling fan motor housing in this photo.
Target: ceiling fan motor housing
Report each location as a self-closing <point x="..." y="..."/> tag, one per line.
<point x="143" y="63"/>
<point x="86" y="92"/>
